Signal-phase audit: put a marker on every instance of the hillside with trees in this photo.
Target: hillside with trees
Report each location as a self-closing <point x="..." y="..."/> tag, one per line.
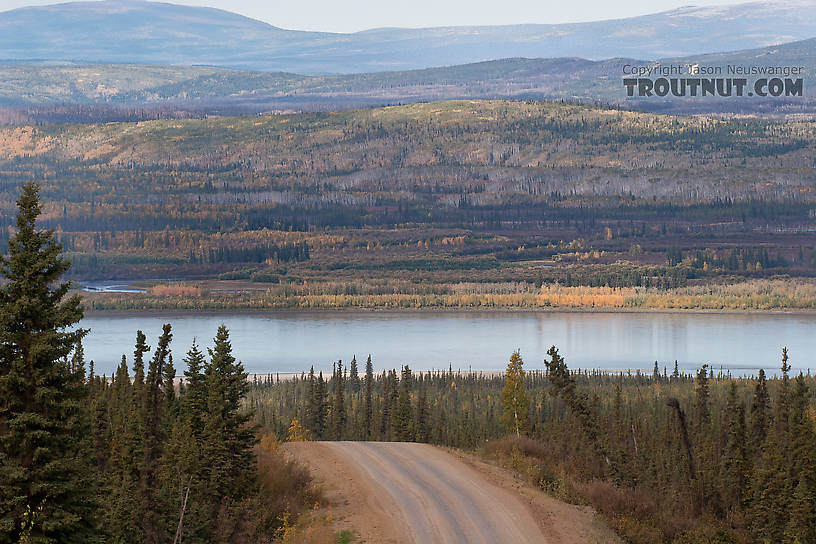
<point x="36" y="92"/>
<point x="429" y="203"/>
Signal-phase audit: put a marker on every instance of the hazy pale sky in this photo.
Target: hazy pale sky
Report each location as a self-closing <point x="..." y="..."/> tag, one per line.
<point x="354" y="15"/>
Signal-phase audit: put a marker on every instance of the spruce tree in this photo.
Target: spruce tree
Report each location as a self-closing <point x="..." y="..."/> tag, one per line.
<point x="138" y="364"/>
<point x="367" y="401"/>
<point x="169" y="380"/>
<point x="311" y="401"/>
<point x="772" y="487"/>
<point x="422" y="422"/>
<point x="735" y="460"/>
<point x="783" y="401"/>
<point x="703" y="439"/>
<point x="559" y="376"/>
<point x="321" y="407"/>
<point x="125" y="459"/>
<point x="802" y="474"/>
<point x="78" y="360"/>
<point x="154" y="406"/>
<point x="759" y="415"/>
<point x="616" y="424"/>
<point x="46" y="482"/>
<point x="227" y="436"/>
<point x="100" y="410"/>
<point x="404" y="426"/>
<point x="801" y="525"/>
<point x="195" y="394"/>
<point x="186" y="507"/>
<point x="385" y="412"/>
<point x="769" y="496"/>
<point x="701" y="413"/>
<point x="354" y="376"/>
<point x="339" y="406"/>
<point x="393" y="403"/>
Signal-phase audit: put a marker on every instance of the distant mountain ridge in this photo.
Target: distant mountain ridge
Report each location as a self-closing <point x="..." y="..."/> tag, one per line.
<point x="136" y="31"/>
<point x="572" y="78"/>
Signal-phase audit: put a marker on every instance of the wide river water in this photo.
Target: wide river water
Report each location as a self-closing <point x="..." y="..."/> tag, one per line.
<point x="292" y="342"/>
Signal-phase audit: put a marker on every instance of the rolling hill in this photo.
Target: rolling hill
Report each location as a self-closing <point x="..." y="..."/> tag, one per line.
<point x="204" y="197"/>
<point x="135" y="31"/>
<point x="214" y="90"/>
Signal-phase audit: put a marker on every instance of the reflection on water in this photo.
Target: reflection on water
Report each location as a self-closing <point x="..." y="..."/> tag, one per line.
<point x="292" y="342"/>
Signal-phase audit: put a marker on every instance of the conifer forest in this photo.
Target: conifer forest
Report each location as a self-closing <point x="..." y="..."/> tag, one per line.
<point x="130" y="457"/>
<point x="187" y="448"/>
<point x="664" y="457"/>
<point x="322" y="272"/>
<point x="456" y="204"/>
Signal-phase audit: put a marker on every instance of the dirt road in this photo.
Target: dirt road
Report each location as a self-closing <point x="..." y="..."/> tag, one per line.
<point x="405" y="492"/>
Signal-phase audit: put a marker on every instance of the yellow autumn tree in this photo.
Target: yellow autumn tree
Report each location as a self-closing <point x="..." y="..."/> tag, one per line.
<point x="515" y="402"/>
<point x="297" y="432"/>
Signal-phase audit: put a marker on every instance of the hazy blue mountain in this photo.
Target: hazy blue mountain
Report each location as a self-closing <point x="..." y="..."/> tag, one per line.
<point x="134" y="31"/>
<point x="220" y="90"/>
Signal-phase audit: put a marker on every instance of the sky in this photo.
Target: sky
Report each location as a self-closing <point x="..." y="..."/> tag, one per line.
<point x="355" y="15"/>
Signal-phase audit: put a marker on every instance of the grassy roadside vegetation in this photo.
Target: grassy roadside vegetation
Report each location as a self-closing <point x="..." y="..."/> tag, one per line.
<point x="663" y="457"/>
<point x="748" y="295"/>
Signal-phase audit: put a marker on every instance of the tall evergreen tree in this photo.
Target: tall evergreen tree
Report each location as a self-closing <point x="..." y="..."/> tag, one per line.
<point x="772" y="487"/>
<point x="339" y="406"/>
<point x="617" y="427"/>
<point x="78" y="359"/>
<point x="354" y="376"/>
<point x="311" y="401"/>
<point x="404" y="426"/>
<point x="393" y="403"/>
<point x="702" y="413"/>
<point x="735" y="459"/>
<point x="385" y="411"/>
<point x="195" y="394"/>
<point x="321" y="407"/>
<point x="422" y="422"/>
<point x="100" y="409"/>
<point x="169" y="381"/>
<point x="367" y="400"/>
<point x="153" y="435"/>
<point x="125" y="459"/>
<point x="138" y="364"/>
<point x="782" y="415"/>
<point x="801" y="521"/>
<point x="228" y="438"/>
<point x="188" y="505"/>
<point x="559" y="376"/>
<point x="187" y="508"/>
<point x="46" y="483"/>
<point x="802" y="475"/>
<point x="759" y="415"/>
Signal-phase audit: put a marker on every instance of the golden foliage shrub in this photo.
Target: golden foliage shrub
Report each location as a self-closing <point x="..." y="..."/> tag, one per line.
<point x="175" y="290"/>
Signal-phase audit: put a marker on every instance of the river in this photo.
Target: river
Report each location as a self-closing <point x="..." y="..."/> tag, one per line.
<point x="292" y="342"/>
